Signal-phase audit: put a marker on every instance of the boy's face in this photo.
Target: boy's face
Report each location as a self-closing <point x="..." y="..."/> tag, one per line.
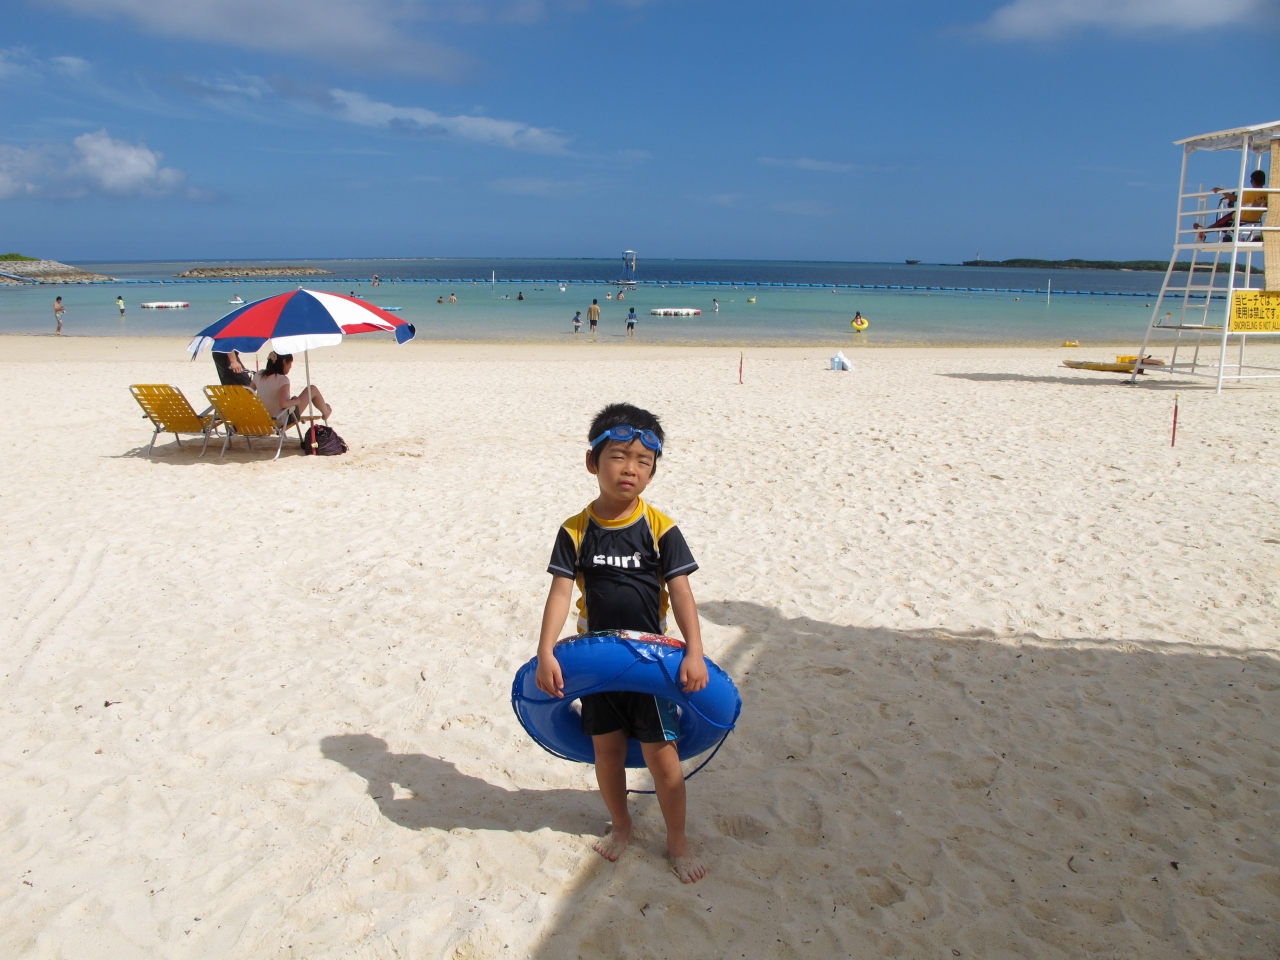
<point x="623" y="470"/>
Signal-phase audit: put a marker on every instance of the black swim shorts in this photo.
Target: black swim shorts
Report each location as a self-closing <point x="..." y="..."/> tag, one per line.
<point x="641" y="716"/>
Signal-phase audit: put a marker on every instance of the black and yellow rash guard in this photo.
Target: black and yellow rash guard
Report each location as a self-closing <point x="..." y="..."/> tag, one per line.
<point x="622" y="567"/>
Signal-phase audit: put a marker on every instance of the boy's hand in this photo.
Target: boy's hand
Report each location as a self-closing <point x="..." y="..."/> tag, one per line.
<point x="693" y="674"/>
<point x="550" y="679"/>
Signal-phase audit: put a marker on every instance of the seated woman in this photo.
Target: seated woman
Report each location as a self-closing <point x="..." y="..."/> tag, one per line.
<point x="272" y="387"/>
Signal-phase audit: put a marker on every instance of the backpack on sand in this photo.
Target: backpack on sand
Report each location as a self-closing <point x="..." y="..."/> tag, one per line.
<point x="326" y="440"/>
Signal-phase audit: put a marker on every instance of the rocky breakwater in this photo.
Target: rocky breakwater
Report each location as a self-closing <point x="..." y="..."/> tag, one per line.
<point x="45" y="271"/>
<point x="204" y="273"/>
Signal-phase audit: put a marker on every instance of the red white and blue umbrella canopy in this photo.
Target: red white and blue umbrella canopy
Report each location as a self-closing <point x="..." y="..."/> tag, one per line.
<point x="295" y="322"/>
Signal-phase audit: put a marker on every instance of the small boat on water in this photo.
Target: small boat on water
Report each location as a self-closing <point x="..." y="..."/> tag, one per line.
<point x="912" y="262"/>
<point x="237" y="299"/>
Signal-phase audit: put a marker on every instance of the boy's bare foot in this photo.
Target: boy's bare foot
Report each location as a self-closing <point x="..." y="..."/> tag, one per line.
<point x="611" y="845"/>
<point x="688" y="868"/>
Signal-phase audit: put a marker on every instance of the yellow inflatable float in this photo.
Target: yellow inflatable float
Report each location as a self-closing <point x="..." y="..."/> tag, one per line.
<point x="859" y="322"/>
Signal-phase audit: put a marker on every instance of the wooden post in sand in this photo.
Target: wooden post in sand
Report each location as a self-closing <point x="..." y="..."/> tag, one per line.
<point x="1173" y="440"/>
<point x="739" y="367"/>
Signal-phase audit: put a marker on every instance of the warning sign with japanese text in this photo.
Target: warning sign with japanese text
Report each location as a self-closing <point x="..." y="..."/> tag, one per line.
<point x="1255" y="311"/>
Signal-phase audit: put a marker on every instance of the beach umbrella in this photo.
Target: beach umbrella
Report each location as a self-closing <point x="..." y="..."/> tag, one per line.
<point x="297" y="322"/>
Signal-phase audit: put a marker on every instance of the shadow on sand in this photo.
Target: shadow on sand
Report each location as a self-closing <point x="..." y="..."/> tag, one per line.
<point x="1096" y="380"/>
<point x="188" y="455"/>
<point x="444" y="798"/>
<point x="926" y="794"/>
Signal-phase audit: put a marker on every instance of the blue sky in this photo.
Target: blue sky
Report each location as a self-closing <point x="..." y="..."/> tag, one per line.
<point x="136" y="129"/>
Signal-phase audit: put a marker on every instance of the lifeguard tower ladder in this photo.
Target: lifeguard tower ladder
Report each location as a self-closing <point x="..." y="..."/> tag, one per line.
<point x="1218" y="302"/>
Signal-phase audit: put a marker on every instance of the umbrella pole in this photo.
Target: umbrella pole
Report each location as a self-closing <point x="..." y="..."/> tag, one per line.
<point x="311" y="424"/>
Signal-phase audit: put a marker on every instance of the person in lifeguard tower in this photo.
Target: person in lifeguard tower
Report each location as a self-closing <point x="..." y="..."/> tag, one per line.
<point x="1252" y="210"/>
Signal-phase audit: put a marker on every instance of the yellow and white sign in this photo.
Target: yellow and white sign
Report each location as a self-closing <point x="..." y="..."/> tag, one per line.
<point x="1255" y="311"/>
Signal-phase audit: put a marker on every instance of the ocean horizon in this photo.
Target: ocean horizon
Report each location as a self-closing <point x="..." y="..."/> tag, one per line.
<point x="905" y="303"/>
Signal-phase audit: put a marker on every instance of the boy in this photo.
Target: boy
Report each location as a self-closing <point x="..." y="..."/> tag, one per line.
<point x="628" y="559"/>
<point x="631" y="323"/>
<point x="577" y="321"/>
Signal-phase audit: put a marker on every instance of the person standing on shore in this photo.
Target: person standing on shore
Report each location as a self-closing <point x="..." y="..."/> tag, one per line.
<point x="631" y="323"/>
<point x="120" y="304"/>
<point x="593" y="314"/>
<point x="58" y="311"/>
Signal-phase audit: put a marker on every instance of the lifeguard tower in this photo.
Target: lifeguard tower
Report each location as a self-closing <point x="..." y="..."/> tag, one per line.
<point x="1227" y="234"/>
<point x="628" y="278"/>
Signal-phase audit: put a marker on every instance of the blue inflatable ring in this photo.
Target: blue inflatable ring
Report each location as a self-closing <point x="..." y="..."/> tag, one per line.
<point x="623" y="660"/>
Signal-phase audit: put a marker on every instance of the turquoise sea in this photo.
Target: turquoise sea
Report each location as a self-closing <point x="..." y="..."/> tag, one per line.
<point x="778" y="315"/>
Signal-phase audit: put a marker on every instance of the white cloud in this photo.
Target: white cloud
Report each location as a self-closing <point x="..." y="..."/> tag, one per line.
<point x="723" y="199"/>
<point x="804" y="163"/>
<point x="74" y="67"/>
<point x="537" y="187"/>
<point x="14" y="61"/>
<point x="366" y="33"/>
<point x="1034" y="19"/>
<point x="20" y="169"/>
<point x="114" y="166"/>
<point x="357" y="108"/>
<point x="92" y="163"/>
<point x="802" y="208"/>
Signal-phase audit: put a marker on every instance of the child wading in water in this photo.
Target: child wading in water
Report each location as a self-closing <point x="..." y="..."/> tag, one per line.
<point x="630" y="562"/>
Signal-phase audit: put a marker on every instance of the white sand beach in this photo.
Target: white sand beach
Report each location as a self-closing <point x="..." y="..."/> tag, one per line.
<point x="1010" y="663"/>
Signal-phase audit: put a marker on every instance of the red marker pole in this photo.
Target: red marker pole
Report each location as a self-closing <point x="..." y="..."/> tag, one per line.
<point x="1174" y="439"/>
<point x="739" y="366"/>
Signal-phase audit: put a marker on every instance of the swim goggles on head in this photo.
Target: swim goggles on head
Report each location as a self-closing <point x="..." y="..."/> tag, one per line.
<point x="625" y="433"/>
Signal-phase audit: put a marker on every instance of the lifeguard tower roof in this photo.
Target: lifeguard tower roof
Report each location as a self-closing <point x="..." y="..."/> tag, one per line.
<point x="1232" y="139"/>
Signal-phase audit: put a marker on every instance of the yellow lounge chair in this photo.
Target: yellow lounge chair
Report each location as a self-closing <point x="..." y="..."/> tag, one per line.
<point x="242" y="412"/>
<point x="167" y="408"/>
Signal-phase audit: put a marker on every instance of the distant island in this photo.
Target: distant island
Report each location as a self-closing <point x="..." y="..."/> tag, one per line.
<point x="206" y="272"/>
<point x="34" y="270"/>
<point x="1157" y="266"/>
